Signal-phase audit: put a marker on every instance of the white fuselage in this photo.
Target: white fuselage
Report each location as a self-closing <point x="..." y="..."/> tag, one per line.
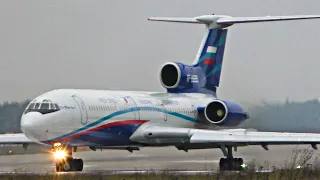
<point x="106" y="118"/>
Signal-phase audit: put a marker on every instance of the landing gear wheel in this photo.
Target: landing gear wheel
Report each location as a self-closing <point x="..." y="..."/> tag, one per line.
<point x="77" y="164"/>
<point x="58" y="167"/>
<point x="223" y="164"/>
<point x="233" y="164"/>
<point x="80" y="163"/>
<point x="230" y="163"/>
<point x="68" y="163"/>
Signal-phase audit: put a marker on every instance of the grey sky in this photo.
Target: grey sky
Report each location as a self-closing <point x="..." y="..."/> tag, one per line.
<point x="104" y="44"/>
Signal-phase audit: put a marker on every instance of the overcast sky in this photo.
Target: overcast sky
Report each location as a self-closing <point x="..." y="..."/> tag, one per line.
<point x="46" y="45"/>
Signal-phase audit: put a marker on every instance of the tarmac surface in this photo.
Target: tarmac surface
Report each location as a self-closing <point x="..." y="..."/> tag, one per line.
<point x="148" y="159"/>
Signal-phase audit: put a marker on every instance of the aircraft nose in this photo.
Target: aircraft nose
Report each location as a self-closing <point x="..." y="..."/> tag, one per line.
<point x="33" y="126"/>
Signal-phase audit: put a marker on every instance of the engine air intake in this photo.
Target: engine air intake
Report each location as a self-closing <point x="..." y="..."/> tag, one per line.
<point x="215" y="112"/>
<point x="170" y="75"/>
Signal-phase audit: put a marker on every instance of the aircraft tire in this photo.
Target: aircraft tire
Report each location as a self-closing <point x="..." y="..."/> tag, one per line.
<point x="233" y="164"/>
<point x="224" y="164"/>
<point x="240" y="163"/>
<point x="78" y="164"/>
<point x="221" y="164"/>
<point x="80" y="167"/>
<point x="59" y="167"/>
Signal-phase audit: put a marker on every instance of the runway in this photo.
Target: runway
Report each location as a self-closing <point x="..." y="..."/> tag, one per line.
<point x="149" y="159"/>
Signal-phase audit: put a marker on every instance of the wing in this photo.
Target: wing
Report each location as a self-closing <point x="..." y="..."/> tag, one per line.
<point x="18" y="138"/>
<point x="151" y="134"/>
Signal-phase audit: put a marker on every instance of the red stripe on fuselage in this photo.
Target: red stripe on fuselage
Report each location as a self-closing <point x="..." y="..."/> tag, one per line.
<point x="117" y="123"/>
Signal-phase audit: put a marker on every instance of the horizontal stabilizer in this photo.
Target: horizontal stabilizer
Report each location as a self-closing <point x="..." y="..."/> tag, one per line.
<point x="234" y="20"/>
<point x="173" y="19"/>
<point x="225" y="21"/>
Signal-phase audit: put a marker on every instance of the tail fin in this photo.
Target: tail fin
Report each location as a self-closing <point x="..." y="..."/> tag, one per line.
<point x="210" y="54"/>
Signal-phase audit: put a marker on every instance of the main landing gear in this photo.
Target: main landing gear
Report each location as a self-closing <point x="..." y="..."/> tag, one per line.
<point x="230" y="163"/>
<point x="64" y="160"/>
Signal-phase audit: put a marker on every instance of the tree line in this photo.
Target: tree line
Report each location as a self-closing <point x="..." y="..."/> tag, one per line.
<point x="10" y="114"/>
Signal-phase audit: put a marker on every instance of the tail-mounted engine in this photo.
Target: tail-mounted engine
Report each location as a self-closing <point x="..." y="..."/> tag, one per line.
<point x="177" y="77"/>
<point x="224" y="113"/>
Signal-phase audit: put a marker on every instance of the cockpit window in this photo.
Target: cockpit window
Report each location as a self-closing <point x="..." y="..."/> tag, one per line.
<point x="56" y="106"/>
<point x="37" y="106"/>
<point x="44" y="107"/>
<point x="31" y="106"/>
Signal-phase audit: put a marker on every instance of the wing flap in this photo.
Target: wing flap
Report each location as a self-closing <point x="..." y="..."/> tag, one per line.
<point x="254" y="137"/>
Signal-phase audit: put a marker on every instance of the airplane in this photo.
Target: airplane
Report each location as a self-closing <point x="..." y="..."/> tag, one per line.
<point x="181" y="117"/>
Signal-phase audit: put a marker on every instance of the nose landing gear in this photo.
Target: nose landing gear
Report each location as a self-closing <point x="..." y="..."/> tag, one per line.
<point x="230" y="163"/>
<point x="64" y="160"/>
<point x="69" y="164"/>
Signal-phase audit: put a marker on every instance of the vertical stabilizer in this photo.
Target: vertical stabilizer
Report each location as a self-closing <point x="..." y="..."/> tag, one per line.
<point x="210" y="56"/>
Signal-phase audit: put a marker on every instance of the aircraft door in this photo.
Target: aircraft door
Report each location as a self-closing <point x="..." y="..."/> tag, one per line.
<point x="82" y="108"/>
<point x="133" y="104"/>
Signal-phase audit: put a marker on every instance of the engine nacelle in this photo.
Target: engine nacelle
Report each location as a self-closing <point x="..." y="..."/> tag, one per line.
<point x="177" y="77"/>
<point x="225" y="113"/>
